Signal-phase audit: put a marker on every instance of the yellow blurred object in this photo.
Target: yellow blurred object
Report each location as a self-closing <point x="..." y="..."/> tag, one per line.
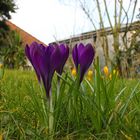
<point x="89" y="75"/>
<point x="110" y="76"/>
<point x="1" y="137"/>
<point x="1" y="65"/>
<point x="1" y="71"/>
<point x="89" y="78"/>
<point x="106" y="71"/>
<point x="73" y="72"/>
<point x="115" y="72"/>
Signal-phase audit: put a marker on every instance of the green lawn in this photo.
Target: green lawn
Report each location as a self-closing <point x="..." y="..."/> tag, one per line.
<point x="101" y="109"/>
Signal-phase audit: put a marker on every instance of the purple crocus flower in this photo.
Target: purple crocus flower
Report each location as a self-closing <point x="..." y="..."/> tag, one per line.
<point x="83" y="57"/>
<point x="64" y="56"/>
<point x="45" y="61"/>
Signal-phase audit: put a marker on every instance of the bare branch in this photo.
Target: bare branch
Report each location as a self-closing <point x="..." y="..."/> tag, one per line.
<point x="126" y="15"/>
<point x="115" y="12"/>
<point x="106" y="9"/>
<point x="134" y="9"/>
<point x="120" y="13"/>
<point x="87" y="14"/>
<point x="100" y="14"/>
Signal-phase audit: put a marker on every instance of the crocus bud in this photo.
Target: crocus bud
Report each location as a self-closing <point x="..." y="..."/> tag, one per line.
<point x="106" y="71"/>
<point x="83" y="56"/>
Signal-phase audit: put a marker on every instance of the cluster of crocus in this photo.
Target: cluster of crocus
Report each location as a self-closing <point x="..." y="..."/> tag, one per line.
<point x="48" y="59"/>
<point x="108" y="74"/>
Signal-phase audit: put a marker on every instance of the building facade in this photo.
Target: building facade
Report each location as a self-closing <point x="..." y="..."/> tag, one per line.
<point x="98" y="39"/>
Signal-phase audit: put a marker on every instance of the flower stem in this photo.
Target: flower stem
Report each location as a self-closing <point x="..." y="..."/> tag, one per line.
<point x="58" y="87"/>
<point x="51" y="118"/>
<point x="43" y="107"/>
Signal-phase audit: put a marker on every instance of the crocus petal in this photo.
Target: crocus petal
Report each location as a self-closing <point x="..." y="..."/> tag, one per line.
<point x="45" y="67"/>
<point x="44" y="58"/>
<point x="62" y="49"/>
<point x="80" y="48"/>
<point x="83" y="56"/>
<point x="75" y="56"/>
<point x="40" y="59"/>
<point x="64" y="56"/>
<point x="47" y="85"/>
<point x="55" y="59"/>
<point x="30" y="53"/>
<point x="85" y="60"/>
<point x="87" y="56"/>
